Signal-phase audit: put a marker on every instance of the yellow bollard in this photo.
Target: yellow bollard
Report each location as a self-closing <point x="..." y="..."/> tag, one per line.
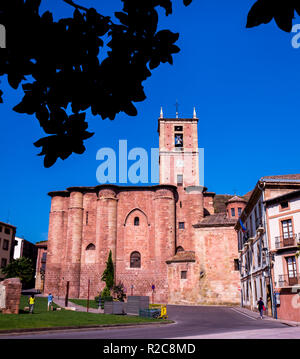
<point x="163" y="312"/>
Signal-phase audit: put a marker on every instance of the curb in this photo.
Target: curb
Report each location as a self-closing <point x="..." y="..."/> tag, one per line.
<point x="286" y="322"/>
<point x="104" y="326"/>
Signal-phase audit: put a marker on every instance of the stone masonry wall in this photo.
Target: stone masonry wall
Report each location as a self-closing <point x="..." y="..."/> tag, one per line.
<point x="13" y="289"/>
<point x="212" y="278"/>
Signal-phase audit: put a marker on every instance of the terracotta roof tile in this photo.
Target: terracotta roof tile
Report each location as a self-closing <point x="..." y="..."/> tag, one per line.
<point x="183" y="256"/>
<point x="282" y="177"/>
<point x="236" y="199"/>
<point x="216" y="220"/>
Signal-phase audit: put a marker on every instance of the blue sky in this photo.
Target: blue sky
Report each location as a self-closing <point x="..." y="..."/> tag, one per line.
<point x="243" y="82"/>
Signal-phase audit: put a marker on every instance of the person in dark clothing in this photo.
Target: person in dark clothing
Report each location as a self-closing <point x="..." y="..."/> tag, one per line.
<point x="261" y="307"/>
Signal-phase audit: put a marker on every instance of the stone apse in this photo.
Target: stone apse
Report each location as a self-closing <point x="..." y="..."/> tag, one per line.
<point x="175" y="236"/>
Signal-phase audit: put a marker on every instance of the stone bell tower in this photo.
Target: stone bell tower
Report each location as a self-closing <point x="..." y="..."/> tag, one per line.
<point x="179" y="166"/>
<point x="178" y="151"/>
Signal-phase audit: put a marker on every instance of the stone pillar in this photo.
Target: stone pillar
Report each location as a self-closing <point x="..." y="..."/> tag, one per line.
<point x="106" y="226"/>
<point x="195" y="202"/>
<point x="164" y="236"/>
<point x="12" y="291"/>
<point x="74" y="242"/>
<point x="55" y="245"/>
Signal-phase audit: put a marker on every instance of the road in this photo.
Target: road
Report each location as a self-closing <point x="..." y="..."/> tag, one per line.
<point x="191" y="322"/>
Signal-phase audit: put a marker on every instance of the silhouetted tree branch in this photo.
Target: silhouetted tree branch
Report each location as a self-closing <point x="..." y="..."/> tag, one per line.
<point x="58" y="65"/>
<point x="282" y="11"/>
<point x="79" y="7"/>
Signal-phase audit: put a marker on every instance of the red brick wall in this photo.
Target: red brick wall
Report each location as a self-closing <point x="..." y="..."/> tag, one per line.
<point x="154" y="239"/>
<point x="236" y="206"/>
<point x="110" y="226"/>
<point x="13" y="289"/>
<point x="189" y="209"/>
<point x="212" y="278"/>
<point x="38" y="279"/>
<point x="208" y="203"/>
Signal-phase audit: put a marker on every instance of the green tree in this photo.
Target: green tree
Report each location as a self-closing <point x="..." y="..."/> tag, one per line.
<point x="108" y="275"/>
<point x="20" y="268"/>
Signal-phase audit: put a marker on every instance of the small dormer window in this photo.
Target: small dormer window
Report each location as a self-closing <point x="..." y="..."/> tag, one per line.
<point x="284" y="205"/>
<point x="232" y="212"/>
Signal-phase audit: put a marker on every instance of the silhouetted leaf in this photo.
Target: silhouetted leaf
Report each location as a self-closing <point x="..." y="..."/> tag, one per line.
<point x="187" y="2"/>
<point x="263" y="11"/>
<point x="258" y="15"/>
<point x="60" y="62"/>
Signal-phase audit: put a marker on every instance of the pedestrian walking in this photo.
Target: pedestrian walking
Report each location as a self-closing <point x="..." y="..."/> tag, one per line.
<point x="31" y="303"/>
<point x="261" y="307"/>
<point x="50" y="300"/>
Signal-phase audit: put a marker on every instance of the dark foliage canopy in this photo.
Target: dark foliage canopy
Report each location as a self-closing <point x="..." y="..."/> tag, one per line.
<point x="58" y="65"/>
<point x="282" y="11"/>
<point x="21" y="268"/>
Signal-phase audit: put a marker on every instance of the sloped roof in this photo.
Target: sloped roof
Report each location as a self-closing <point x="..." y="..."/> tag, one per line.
<point x="236" y="199"/>
<point x="182" y="256"/>
<point x="216" y="220"/>
<point x="282" y="177"/>
<point x="248" y="195"/>
<point x="220" y="202"/>
<point x="42" y="244"/>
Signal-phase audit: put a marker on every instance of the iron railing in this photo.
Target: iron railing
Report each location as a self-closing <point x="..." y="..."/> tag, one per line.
<point x="286" y="241"/>
<point x="285" y="280"/>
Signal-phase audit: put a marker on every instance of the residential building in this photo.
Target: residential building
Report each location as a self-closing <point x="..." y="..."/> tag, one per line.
<point x="263" y="234"/>
<point x="283" y="216"/>
<point x="24" y="248"/>
<point x="7" y="244"/>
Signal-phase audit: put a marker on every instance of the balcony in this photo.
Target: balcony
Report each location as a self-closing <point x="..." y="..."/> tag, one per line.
<point x="285" y="281"/>
<point x="286" y="241"/>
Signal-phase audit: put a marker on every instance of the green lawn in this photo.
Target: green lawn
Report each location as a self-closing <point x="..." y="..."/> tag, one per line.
<point x="41" y="318"/>
<point x="83" y="302"/>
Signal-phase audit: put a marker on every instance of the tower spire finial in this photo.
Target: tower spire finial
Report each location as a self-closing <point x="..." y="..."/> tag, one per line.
<point x="194" y="113"/>
<point x="177" y="104"/>
<point x="161" y="113"/>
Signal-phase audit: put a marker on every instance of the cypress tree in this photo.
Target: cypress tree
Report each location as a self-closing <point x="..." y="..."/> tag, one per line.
<point x="108" y="274"/>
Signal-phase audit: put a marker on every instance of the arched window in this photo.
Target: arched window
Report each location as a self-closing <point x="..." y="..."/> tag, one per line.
<point x="179" y="249"/>
<point x="136" y="221"/>
<point x="135" y="260"/>
<point x="90" y="247"/>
